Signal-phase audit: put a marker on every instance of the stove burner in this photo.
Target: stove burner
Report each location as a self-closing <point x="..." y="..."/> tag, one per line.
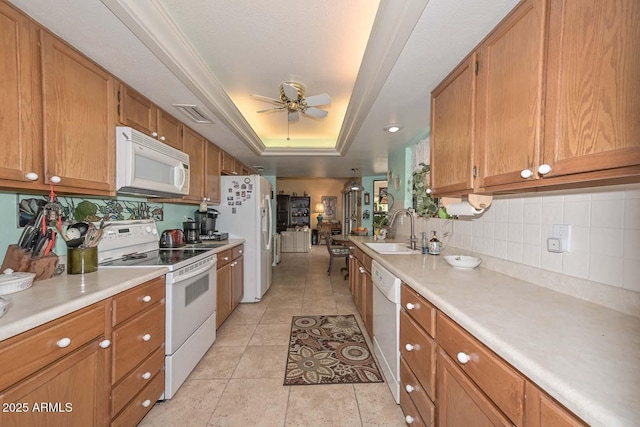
<point x="134" y="255"/>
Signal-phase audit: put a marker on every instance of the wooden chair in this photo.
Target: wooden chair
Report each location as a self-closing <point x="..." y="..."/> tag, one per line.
<point x="336" y="251"/>
<point x="323" y="228"/>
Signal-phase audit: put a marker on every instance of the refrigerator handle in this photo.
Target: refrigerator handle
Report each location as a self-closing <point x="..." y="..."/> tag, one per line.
<point x="269" y="225"/>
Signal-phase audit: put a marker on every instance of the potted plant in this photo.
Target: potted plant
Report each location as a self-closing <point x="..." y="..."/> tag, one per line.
<point x="420" y="182"/>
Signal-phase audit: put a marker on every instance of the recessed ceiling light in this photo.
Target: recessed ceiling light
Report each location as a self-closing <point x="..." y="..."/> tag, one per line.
<point x="393" y="128"/>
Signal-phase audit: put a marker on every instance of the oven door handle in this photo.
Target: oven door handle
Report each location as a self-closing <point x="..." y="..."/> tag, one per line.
<point x="177" y="277"/>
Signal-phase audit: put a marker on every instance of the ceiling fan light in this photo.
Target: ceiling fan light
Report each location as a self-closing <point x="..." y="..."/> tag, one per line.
<point x="393" y="128"/>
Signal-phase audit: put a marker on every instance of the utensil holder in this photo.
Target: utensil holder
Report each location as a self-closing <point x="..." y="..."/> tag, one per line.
<point x="82" y="260"/>
<point x="19" y="260"/>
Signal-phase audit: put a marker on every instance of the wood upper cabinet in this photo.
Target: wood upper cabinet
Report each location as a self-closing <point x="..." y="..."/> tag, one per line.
<point x="194" y="146"/>
<point x="140" y="113"/>
<point x="228" y="164"/>
<point x="592" y="106"/>
<point x="452" y="131"/>
<point x="18" y="116"/>
<point x="212" y="172"/>
<point x="78" y="114"/>
<point x="509" y="97"/>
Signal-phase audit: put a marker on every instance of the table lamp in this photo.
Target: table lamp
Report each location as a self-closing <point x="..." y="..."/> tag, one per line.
<point x="320" y="210"/>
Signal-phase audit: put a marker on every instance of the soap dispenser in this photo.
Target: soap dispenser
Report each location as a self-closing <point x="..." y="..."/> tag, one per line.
<point x="434" y="245"/>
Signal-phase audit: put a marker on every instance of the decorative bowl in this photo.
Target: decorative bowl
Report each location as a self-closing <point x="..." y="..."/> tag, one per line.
<point x="462" y="261"/>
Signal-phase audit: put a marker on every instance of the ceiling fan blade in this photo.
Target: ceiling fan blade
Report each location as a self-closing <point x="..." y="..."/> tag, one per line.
<point x="272" y="109"/>
<point x="266" y="99"/>
<point x="290" y="91"/>
<point x="293" y="116"/>
<point x="315" y="100"/>
<point x="316" y="112"/>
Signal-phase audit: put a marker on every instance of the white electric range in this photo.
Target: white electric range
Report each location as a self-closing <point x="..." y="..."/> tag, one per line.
<point x="190" y="291"/>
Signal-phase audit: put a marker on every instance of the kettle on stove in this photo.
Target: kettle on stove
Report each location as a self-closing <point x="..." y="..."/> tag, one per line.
<point x="173" y="238"/>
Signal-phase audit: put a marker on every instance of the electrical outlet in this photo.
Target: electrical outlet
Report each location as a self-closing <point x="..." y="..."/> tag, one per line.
<point x="560" y="240"/>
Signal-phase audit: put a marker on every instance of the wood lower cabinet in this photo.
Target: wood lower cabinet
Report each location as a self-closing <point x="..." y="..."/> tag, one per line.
<point x="237" y="275"/>
<point x="57" y="374"/>
<point x="229" y="282"/>
<point x="461" y="402"/>
<point x="361" y="286"/>
<point x="449" y="378"/>
<point x="418" y="355"/>
<point x="137" y="368"/>
<point x="543" y="411"/>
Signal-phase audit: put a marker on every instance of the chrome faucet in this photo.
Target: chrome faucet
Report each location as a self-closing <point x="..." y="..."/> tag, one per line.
<point x="413" y="240"/>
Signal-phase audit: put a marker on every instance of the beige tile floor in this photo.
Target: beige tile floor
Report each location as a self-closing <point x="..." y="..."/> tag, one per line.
<point x="239" y="381"/>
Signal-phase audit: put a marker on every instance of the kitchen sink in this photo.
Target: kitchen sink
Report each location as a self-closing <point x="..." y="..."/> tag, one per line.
<point x="391" y="248"/>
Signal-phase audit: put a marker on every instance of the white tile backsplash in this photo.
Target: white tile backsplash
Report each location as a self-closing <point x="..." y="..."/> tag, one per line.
<point x="605" y="236"/>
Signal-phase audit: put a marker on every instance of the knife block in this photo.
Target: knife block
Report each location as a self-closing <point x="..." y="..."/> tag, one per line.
<point x="18" y="260"/>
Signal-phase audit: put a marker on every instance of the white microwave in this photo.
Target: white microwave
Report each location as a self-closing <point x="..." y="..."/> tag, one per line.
<point x="148" y="167"/>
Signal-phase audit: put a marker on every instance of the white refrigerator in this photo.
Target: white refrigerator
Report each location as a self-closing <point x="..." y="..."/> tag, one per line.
<point x="245" y="212"/>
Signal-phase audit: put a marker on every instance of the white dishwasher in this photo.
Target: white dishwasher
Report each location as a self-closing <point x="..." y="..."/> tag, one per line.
<point x="386" y="325"/>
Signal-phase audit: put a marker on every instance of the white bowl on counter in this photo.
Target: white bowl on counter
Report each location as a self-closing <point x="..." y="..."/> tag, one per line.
<point x="462" y="261"/>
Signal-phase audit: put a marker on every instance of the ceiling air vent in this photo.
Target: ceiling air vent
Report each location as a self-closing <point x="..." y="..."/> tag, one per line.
<point x="193" y="112"/>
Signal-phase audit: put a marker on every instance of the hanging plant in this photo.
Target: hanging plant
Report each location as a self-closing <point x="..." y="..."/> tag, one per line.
<point x="423" y="203"/>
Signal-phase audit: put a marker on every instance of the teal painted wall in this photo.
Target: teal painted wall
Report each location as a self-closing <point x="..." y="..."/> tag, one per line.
<point x="174" y="215"/>
<point x="367" y="183"/>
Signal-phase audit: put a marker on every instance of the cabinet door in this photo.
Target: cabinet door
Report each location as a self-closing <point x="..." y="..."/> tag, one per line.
<point x="137" y="112"/>
<point x="452" y="131"/>
<point x="212" y="174"/>
<point x="228" y="164"/>
<point x="238" y="281"/>
<point x="78" y="107"/>
<point x="169" y="130"/>
<point x="509" y="97"/>
<point x="460" y="402"/>
<point x="70" y="392"/>
<point x="543" y="411"/>
<point x="16" y="102"/>
<point x="367" y="302"/>
<point x="223" y="294"/>
<point x="592" y="104"/>
<point x="194" y="145"/>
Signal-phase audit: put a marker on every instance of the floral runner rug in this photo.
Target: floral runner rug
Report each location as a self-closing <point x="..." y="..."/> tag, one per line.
<point x="329" y="350"/>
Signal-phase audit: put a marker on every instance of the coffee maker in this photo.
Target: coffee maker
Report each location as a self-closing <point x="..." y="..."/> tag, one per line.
<point x="191" y="231"/>
<point x="206" y="222"/>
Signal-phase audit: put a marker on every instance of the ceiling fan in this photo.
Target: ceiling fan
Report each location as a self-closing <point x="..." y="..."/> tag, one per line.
<point x="292" y="100"/>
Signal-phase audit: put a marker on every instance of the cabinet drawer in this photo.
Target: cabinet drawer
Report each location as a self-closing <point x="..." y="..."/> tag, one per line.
<point x="412" y="416"/>
<point x="421" y="358"/>
<point x="237" y="251"/>
<point x="224" y="258"/>
<point x="419" y="309"/>
<point x="133" y="301"/>
<point x="366" y="262"/>
<point x="26" y="353"/>
<point x="413" y="389"/>
<point x="135" y="340"/>
<point x="142" y="403"/>
<point x="495" y="377"/>
<point x="136" y="380"/>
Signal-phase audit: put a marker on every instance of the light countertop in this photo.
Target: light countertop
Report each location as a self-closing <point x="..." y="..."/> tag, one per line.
<point x="584" y="355"/>
<point x="50" y="299"/>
